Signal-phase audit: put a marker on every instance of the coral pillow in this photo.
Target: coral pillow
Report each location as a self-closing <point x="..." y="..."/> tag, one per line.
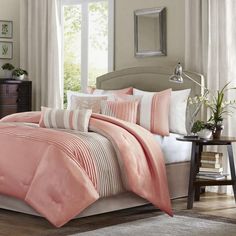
<point x="65" y="119"/>
<point x="119" y="91"/>
<point x="154" y="111"/>
<point x="178" y="109"/>
<point x="124" y="110"/>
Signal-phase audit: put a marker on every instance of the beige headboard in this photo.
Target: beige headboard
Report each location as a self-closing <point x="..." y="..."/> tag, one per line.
<point x="149" y="79"/>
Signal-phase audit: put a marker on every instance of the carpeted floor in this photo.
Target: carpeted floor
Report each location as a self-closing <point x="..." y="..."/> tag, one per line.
<point x="142" y="221"/>
<point x="163" y="225"/>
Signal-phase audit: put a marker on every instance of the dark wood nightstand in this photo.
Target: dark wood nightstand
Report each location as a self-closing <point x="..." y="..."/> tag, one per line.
<point x="15" y="96"/>
<point x="194" y="183"/>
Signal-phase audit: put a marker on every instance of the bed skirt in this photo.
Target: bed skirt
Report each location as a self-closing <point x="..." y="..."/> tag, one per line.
<point x="178" y="186"/>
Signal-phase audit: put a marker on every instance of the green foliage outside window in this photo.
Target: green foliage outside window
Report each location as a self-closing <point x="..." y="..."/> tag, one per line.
<point x="72" y="42"/>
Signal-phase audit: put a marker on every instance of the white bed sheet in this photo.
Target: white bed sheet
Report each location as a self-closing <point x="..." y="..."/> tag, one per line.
<point x="174" y="151"/>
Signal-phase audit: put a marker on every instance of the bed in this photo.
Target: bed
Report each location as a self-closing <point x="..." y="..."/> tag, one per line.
<point x="149" y="79"/>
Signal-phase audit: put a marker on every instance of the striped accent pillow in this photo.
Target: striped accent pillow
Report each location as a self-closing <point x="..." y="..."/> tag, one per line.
<point x="124" y="97"/>
<point x="65" y="119"/>
<point x="154" y="111"/>
<point x="87" y="102"/>
<point x="124" y="110"/>
<point x="128" y="90"/>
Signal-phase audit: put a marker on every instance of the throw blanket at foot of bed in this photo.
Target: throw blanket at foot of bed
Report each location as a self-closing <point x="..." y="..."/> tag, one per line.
<point x="44" y="167"/>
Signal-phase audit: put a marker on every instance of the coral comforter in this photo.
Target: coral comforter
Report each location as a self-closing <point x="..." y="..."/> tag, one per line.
<point x="60" y="173"/>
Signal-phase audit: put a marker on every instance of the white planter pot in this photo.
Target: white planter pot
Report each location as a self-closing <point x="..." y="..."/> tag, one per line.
<point x="205" y="133"/>
<point x="21" y="77"/>
<point x="8" y="74"/>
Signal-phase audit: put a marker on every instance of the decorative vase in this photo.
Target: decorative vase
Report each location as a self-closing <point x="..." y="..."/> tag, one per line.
<point x="205" y="133"/>
<point x="21" y="77"/>
<point x="216" y="132"/>
<point x="7" y="74"/>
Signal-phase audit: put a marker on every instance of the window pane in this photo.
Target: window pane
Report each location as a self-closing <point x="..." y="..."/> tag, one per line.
<point x="72" y="48"/>
<point x="98" y="40"/>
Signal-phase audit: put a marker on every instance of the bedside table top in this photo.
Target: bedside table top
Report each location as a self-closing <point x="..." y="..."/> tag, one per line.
<point x="221" y="141"/>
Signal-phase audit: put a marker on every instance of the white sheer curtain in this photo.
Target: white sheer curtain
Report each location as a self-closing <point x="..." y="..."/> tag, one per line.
<point x="211" y="48"/>
<point x="40" y="50"/>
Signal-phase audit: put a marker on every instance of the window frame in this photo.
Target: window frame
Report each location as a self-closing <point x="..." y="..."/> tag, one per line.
<point x="85" y="36"/>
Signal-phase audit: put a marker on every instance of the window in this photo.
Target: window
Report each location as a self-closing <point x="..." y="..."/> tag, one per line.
<point x="88" y="41"/>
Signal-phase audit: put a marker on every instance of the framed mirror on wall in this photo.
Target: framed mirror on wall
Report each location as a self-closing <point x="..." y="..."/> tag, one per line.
<point x="150" y="32"/>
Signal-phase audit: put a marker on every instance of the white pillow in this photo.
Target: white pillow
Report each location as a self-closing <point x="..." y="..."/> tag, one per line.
<point x="87" y="102"/>
<point x="78" y="94"/>
<point x="178" y="107"/>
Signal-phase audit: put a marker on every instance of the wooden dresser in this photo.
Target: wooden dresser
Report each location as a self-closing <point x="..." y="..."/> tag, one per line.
<point x="15" y="96"/>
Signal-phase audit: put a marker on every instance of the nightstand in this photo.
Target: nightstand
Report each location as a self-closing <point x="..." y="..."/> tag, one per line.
<point x="15" y="96"/>
<point x="194" y="183"/>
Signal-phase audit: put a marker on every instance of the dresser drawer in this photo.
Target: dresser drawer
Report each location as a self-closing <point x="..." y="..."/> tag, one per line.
<point x="7" y="110"/>
<point x="15" y="96"/>
<point x="8" y="100"/>
<point x="9" y="89"/>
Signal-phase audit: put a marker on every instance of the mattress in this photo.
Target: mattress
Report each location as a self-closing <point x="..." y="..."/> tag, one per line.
<point x="174" y="151"/>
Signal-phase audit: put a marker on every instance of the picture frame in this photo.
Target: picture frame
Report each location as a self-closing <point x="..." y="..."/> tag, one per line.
<point x="6" y="50"/>
<point x="6" y="29"/>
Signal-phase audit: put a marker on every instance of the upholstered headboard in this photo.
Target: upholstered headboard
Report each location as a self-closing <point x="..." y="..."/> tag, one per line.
<point x="149" y="79"/>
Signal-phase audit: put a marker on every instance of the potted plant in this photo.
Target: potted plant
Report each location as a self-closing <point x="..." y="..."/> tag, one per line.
<point x="219" y="107"/>
<point x="19" y="73"/>
<point x="202" y="129"/>
<point x="7" y="68"/>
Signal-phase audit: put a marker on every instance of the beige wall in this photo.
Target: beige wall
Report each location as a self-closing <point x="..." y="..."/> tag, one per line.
<point x="10" y="10"/>
<point x="124" y="33"/>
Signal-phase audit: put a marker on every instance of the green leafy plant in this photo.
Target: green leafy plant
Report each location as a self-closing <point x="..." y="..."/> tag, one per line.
<point x="18" y="72"/>
<point x="200" y="125"/>
<point x="219" y="106"/>
<point x="8" y="66"/>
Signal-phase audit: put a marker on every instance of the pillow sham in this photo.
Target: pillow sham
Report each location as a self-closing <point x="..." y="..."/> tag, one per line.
<point x="124" y="110"/>
<point x="154" y="111"/>
<point x="124" y="97"/>
<point x="65" y="119"/>
<point x="78" y="94"/>
<point x="178" y="109"/>
<point x="87" y="102"/>
<point x="119" y="91"/>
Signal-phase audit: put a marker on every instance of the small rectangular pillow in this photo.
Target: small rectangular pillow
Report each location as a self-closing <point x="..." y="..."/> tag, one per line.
<point x="124" y="110"/>
<point x="65" y="119"/>
<point x="87" y="102"/>
<point x="78" y="94"/>
<point x="118" y="91"/>
<point x="154" y="111"/>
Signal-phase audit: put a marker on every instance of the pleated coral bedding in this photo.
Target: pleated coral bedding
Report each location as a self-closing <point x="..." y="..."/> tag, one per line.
<point x="60" y="173"/>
